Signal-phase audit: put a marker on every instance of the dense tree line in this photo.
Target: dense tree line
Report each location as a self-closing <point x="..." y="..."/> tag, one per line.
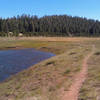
<point x="55" y="25"/>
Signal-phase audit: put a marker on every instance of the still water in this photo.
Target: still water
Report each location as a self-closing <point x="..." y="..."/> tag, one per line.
<point x="14" y="61"/>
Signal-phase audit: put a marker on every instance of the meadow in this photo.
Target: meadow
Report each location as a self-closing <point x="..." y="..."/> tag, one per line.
<point x="50" y="79"/>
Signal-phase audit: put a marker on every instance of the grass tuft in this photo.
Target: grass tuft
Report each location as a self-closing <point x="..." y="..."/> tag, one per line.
<point x="97" y="53"/>
<point x="67" y="71"/>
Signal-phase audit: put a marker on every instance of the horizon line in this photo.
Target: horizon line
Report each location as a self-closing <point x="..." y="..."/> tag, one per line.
<point x="40" y="16"/>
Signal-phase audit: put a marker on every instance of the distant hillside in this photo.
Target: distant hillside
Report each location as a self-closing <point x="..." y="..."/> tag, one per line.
<point x="55" y="25"/>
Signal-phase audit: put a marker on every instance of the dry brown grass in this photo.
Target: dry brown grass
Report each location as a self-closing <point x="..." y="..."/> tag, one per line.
<point x="91" y="88"/>
<point x="56" y="39"/>
<point x="44" y="80"/>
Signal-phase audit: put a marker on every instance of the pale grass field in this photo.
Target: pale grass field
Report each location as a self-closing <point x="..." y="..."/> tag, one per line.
<point x="51" y="38"/>
<point x="46" y="79"/>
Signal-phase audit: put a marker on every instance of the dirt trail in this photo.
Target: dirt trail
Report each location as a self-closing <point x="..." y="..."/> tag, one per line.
<point x="73" y="92"/>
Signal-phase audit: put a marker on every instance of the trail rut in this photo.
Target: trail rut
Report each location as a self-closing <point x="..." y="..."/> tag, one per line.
<point x="73" y="91"/>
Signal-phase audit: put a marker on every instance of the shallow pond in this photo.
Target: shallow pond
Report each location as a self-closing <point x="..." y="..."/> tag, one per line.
<point x="14" y="61"/>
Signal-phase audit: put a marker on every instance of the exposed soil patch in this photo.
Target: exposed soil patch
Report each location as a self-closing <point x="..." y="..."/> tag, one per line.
<point x="73" y="91"/>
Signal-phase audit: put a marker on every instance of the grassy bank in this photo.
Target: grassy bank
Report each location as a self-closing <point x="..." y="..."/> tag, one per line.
<point x="45" y="80"/>
<point x="38" y="43"/>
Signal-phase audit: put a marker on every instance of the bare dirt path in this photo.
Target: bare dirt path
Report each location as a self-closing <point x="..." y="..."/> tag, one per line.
<point x="73" y="92"/>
